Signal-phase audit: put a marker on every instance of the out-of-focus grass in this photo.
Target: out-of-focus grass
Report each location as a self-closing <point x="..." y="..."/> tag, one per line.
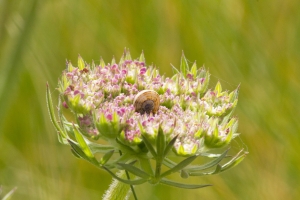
<point x="255" y="43"/>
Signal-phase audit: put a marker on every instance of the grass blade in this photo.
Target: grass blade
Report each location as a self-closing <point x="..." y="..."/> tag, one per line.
<point x="180" y="166"/>
<point x="170" y="145"/>
<point x="207" y="165"/>
<point x="149" y="146"/>
<point x="134" y="170"/>
<point x="62" y="136"/>
<point x="181" y="185"/>
<point x="83" y="145"/>
<point x="130" y="182"/>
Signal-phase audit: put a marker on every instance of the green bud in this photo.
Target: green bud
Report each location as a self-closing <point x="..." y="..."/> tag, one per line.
<point x="102" y="63"/>
<point x="70" y="67"/>
<point x="113" y="61"/>
<point x="127" y="54"/>
<point x="194" y="70"/>
<point x="109" y="129"/>
<point x="142" y="57"/>
<point x="184" y="66"/>
<point x="81" y="64"/>
<point x="132" y="77"/>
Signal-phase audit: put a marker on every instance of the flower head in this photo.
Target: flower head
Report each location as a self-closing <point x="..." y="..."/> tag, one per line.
<point x="180" y="116"/>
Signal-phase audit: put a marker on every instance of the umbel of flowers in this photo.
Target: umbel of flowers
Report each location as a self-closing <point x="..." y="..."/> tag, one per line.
<point x="127" y="116"/>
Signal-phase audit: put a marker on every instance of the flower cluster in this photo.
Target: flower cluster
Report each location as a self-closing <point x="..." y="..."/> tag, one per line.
<point x="190" y="121"/>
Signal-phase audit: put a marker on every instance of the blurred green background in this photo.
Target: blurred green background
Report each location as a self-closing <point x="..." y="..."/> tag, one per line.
<point x="252" y="42"/>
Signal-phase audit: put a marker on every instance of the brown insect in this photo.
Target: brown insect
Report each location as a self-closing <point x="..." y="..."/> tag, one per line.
<point x="146" y="101"/>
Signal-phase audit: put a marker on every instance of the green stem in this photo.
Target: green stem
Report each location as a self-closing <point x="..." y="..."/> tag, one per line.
<point x="128" y="177"/>
<point x="158" y="169"/>
<point x="131" y="186"/>
<point x="117" y="190"/>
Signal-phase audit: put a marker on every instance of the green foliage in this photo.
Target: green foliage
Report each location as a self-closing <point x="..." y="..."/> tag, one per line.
<point x="255" y="43"/>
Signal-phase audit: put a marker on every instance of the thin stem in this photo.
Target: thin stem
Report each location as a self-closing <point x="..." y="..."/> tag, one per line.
<point x="158" y="165"/>
<point x="158" y="169"/>
<point x="128" y="177"/>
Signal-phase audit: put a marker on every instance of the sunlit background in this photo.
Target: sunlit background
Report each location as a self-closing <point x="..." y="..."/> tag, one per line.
<point x="255" y="43"/>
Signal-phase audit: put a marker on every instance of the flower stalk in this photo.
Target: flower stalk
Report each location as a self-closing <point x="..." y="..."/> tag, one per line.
<point x="118" y="190"/>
